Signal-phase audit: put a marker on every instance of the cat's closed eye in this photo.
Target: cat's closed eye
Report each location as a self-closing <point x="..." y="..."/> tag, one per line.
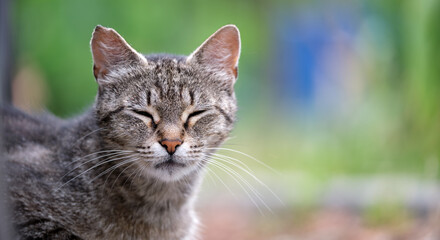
<point x="144" y="113"/>
<point x="196" y="113"/>
<point x="193" y="117"/>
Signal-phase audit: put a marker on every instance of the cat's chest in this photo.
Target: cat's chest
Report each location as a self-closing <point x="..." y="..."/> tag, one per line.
<point x="144" y="226"/>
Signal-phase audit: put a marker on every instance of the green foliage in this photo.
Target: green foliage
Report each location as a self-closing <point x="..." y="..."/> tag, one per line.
<point x="396" y="129"/>
<point x="55" y="35"/>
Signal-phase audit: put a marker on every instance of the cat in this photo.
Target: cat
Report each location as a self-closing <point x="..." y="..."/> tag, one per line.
<point x="130" y="166"/>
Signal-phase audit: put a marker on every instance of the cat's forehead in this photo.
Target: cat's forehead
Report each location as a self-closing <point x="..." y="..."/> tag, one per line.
<point x="164" y="58"/>
<point x="168" y="80"/>
<point x="171" y="76"/>
<point x="168" y="71"/>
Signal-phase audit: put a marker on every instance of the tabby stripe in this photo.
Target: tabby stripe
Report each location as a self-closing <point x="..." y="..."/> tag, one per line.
<point x="181" y="91"/>
<point x="105" y="118"/>
<point x="191" y="96"/>
<point x="33" y="222"/>
<point x="228" y="119"/>
<point x="159" y="89"/>
<point x="54" y="232"/>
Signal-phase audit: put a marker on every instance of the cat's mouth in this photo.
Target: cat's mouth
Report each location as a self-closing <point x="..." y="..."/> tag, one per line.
<point x="170" y="163"/>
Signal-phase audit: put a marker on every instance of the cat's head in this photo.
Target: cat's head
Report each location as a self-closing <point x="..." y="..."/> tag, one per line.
<point x="169" y="111"/>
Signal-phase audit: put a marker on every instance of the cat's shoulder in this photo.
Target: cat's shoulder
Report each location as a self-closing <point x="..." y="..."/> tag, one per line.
<point x="20" y="128"/>
<point x="12" y="116"/>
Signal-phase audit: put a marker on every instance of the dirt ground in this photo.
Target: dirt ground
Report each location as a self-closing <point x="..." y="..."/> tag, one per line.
<point x="227" y="221"/>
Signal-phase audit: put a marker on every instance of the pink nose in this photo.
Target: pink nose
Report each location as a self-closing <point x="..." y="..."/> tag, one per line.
<point x="171" y="144"/>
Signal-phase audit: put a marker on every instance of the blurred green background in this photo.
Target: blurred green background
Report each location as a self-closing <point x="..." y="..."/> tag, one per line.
<point x="339" y="97"/>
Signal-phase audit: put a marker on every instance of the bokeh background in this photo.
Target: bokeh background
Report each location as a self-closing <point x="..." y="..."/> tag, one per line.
<point x="339" y="106"/>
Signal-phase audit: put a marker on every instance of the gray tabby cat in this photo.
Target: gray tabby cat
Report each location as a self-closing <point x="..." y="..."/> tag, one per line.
<point x="128" y="168"/>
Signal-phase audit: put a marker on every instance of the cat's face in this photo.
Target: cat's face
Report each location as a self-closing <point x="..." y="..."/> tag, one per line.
<point x="170" y="111"/>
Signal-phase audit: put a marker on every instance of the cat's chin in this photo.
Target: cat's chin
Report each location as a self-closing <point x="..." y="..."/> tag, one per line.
<point x="169" y="171"/>
<point x="169" y="164"/>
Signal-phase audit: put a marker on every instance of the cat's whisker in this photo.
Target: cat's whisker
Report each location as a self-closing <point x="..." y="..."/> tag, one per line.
<point x="232" y="159"/>
<point x="107" y="153"/>
<point x="230" y="138"/>
<point x="216" y="159"/>
<point x="252" y="188"/>
<point x="224" y="184"/>
<point x="103" y="151"/>
<point x="89" y="169"/>
<point x="240" y="165"/>
<point x="214" y="163"/>
<point x="88" y="134"/>
<point x="235" y="165"/>
<point x="136" y="175"/>
<point x="129" y="176"/>
<point x="208" y="170"/>
<point x="247" y="155"/>
<point x="250" y="173"/>
<point x="110" y="155"/>
<point x="113" y="168"/>
<point x="199" y="167"/>
<point x="114" y="182"/>
<point x="226" y="143"/>
<point x="232" y="144"/>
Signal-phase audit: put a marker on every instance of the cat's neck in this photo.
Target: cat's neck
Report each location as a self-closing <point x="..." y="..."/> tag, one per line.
<point x="149" y="198"/>
<point x="176" y="193"/>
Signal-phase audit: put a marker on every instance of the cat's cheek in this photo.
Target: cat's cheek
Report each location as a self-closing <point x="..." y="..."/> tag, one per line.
<point x="129" y="130"/>
<point x="215" y="139"/>
<point x="203" y="127"/>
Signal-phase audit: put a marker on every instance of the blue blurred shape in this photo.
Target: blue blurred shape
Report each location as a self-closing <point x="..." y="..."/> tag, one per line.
<point x="301" y="37"/>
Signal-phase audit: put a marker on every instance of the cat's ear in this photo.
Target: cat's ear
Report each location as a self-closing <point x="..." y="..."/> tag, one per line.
<point x="220" y="51"/>
<point x="111" y="52"/>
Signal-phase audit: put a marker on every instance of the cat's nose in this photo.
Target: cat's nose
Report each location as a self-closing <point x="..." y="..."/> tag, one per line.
<point x="171" y="144"/>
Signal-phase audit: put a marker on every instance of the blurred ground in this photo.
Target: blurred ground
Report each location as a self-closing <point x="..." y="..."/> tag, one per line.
<point x="387" y="207"/>
<point x="235" y="223"/>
